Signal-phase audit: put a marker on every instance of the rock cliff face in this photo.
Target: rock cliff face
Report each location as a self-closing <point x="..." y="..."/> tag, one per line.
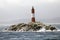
<point x="30" y="27"/>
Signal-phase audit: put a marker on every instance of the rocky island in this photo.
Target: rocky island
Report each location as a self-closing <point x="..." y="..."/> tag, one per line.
<point x="30" y="27"/>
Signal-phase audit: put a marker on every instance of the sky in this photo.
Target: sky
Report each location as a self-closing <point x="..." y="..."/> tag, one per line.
<point x="11" y="10"/>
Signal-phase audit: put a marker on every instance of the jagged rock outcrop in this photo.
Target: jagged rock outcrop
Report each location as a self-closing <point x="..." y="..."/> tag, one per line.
<point x="50" y="27"/>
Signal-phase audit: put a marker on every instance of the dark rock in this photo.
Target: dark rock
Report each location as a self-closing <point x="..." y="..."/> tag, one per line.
<point x="52" y="28"/>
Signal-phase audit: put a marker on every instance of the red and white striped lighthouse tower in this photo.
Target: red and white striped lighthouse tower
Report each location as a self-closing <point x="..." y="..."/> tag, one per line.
<point x="33" y="14"/>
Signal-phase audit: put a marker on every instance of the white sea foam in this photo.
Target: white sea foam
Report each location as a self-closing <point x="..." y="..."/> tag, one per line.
<point x="44" y="30"/>
<point x="41" y="30"/>
<point x="58" y="30"/>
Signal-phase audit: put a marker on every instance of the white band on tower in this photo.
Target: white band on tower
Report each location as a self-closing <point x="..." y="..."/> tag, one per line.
<point x="32" y="15"/>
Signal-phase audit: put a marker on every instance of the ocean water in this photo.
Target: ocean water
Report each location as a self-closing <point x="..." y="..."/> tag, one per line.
<point x="31" y="35"/>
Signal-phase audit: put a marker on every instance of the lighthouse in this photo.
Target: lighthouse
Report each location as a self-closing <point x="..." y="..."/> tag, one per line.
<point x="33" y="14"/>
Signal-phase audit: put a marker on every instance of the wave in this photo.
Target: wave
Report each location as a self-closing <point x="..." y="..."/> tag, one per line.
<point x="44" y="30"/>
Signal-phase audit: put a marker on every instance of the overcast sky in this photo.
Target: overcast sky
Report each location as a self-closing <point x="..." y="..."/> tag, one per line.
<point x="21" y="9"/>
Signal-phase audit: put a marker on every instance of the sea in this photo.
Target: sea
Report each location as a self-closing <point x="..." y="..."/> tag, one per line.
<point x="31" y="35"/>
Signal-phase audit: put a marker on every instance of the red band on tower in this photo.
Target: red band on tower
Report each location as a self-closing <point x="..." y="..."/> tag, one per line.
<point x="33" y="11"/>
